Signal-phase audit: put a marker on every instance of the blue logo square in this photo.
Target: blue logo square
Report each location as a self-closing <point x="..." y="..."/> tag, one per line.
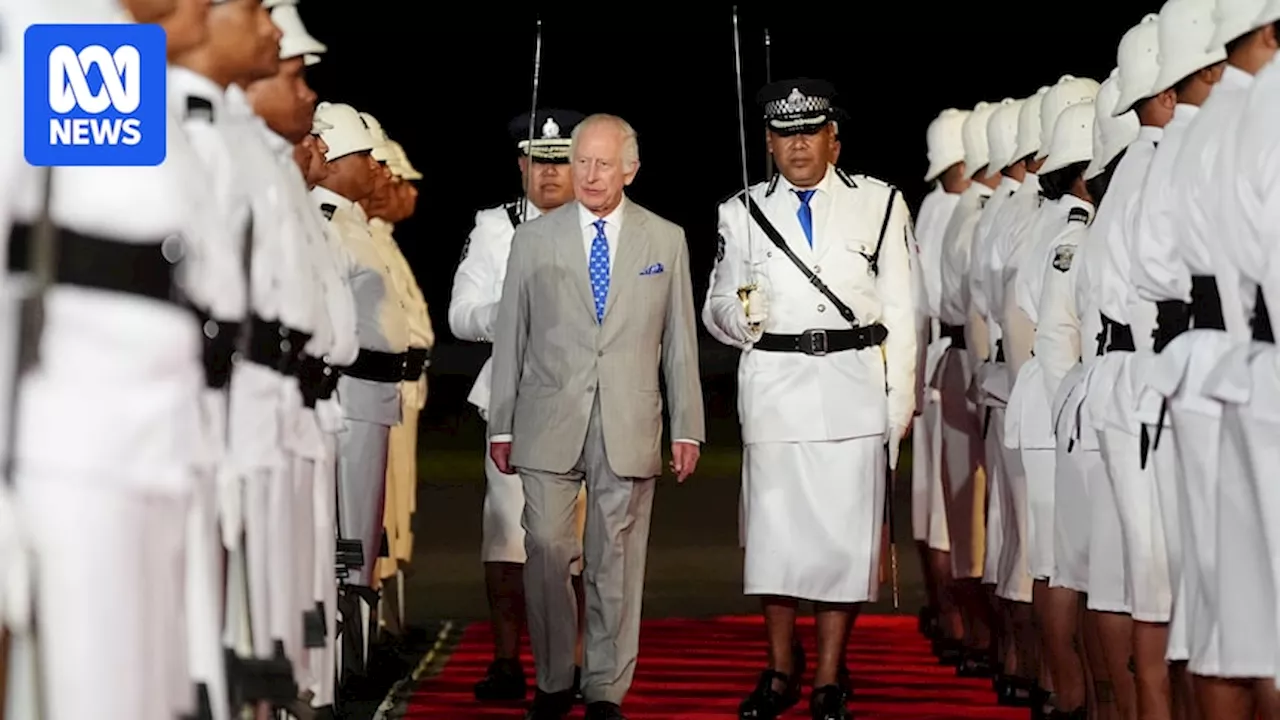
<point x="94" y="95"/>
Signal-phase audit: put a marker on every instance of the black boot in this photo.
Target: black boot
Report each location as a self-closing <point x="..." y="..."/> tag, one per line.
<point x="828" y="703"/>
<point x="766" y="702"/>
<point x="504" y="681"/>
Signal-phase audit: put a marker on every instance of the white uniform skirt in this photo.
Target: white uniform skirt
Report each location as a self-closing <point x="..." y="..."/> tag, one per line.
<point x="1072" y="470"/>
<point x="1108" y="575"/>
<point x="928" y="504"/>
<point x="814" y="513"/>
<point x="963" y="480"/>
<point x="1014" y="575"/>
<point x="1029" y="428"/>
<point x="995" y="496"/>
<point x="1149" y="589"/>
<point x="502" y="535"/>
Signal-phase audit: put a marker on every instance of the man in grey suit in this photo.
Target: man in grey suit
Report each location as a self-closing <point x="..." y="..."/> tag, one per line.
<point x="597" y="296"/>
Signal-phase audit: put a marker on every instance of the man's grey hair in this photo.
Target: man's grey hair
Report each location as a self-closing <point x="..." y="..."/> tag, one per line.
<point x="630" y="145"/>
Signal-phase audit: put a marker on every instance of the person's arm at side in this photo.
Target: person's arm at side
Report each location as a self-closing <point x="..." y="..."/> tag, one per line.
<point x="472" y="305"/>
<point x="898" y="315"/>
<point x="511" y="336"/>
<point x="680" y="367"/>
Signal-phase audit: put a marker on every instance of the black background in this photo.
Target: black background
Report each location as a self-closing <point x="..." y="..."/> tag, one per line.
<point x="444" y="79"/>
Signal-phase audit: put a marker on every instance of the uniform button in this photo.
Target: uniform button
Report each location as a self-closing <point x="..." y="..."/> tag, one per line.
<point x="817" y="268"/>
<point x="599" y="353"/>
<point x="822" y="308"/>
<point x="769" y="254"/>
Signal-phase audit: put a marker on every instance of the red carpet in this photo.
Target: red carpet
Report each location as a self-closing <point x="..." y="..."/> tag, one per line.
<point x="702" y="669"/>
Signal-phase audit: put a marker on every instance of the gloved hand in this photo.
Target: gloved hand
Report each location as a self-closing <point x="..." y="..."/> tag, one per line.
<point x="894" y="439"/>
<point x="15" y="567"/>
<point x="757" y="311"/>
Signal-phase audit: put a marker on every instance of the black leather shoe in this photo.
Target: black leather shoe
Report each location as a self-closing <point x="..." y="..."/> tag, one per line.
<point x="504" y="681"/>
<point x="975" y="664"/>
<point x="766" y="702"/>
<point x="604" y="711"/>
<point x="949" y="652"/>
<point x="577" y="686"/>
<point x="1012" y="691"/>
<point x="828" y="703"/>
<point x="550" y="706"/>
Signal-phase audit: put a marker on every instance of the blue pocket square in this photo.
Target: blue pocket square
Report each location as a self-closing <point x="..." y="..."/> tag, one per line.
<point x="653" y="269"/>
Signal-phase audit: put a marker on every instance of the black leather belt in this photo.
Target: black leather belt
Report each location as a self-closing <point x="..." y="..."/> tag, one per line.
<point x="101" y="263"/>
<point x="276" y="346"/>
<point x="823" y="342"/>
<point x="956" y="333"/>
<point x="317" y="380"/>
<point x="376" y="366"/>
<point x="1206" y="304"/>
<point x="1115" y="337"/>
<point x="221" y="340"/>
<point x="1000" y="350"/>
<point x="416" y="362"/>
<point x="1261" y="322"/>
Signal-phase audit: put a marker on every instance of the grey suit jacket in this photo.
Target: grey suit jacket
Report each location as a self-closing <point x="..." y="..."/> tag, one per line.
<point x="551" y="357"/>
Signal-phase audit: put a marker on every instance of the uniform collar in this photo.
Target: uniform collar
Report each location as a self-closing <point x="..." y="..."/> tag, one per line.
<point x="325" y="196"/>
<point x="1008" y="185"/>
<point x="1184" y="113"/>
<point x="186" y="83"/>
<point x="981" y="190"/>
<point x="823" y="187"/>
<point x="1235" y="78"/>
<point x="586" y="218"/>
<point x="1150" y="133"/>
<point x="237" y="102"/>
<point x="1070" y="201"/>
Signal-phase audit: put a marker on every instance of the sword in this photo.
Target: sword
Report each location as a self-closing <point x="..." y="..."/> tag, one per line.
<point x="745" y="290"/>
<point x="533" y="118"/>
<point x="768" y="78"/>
<point x="888" y="504"/>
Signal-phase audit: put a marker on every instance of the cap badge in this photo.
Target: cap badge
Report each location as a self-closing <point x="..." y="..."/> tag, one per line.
<point x="796" y="97"/>
<point x="550" y="129"/>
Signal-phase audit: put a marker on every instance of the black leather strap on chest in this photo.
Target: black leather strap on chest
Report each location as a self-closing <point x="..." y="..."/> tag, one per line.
<point x="1261" y="322"/>
<point x="776" y="238"/>
<point x="513" y="215"/>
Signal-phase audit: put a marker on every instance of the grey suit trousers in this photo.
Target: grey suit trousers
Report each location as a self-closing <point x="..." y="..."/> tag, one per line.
<point x="615" y="545"/>
<point x="362" y="482"/>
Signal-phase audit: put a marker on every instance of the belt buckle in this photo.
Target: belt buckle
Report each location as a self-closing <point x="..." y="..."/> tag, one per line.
<point x="814" y="342"/>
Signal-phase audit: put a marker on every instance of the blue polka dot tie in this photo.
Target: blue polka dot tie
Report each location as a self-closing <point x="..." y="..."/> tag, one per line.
<point x="599" y="268"/>
<point x="805" y="214"/>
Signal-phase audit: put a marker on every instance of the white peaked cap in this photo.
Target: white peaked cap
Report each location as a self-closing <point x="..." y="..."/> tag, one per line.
<point x="974" y="134"/>
<point x="294" y="39"/>
<point x="1029" y="124"/>
<point x="400" y="162"/>
<point x="1186" y="27"/>
<point x="945" y="142"/>
<point x="1072" y="137"/>
<point x="347" y="133"/>
<point x="1068" y="91"/>
<point x="1002" y="135"/>
<point x="1138" y="59"/>
<point x="1233" y="18"/>
<point x="381" y="152"/>
<point x="1111" y="134"/>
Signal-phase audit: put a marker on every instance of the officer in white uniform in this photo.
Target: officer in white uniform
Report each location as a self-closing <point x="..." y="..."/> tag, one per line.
<point x="1235" y="598"/>
<point x="815" y="491"/>
<point x="134" y="409"/>
<point x="945" y="147"/>
<point x="369" y="389"/>
<point x="473" y="308"/>
<point x="1190" y="67"/>
<point x="1246" y="378"/>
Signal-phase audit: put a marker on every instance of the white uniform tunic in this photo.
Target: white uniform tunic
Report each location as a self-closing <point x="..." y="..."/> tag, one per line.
<point x="963" y="478"/>
<point x="1231" y="571"/>
<point x="928" y="509"/>
<point x="1160" y="273"/>
<point x="1115" y="384"/>
<point x="473" y="308"/>
<point x="814" y="426"/>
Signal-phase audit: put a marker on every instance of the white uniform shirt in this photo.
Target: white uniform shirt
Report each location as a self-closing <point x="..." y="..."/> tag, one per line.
<point x="931" y="225"/>
<point x="792" y="397"/>
<point x="1157" y="267"/>
<point x="984" y="273"/>
<point x="953" y="308"/>
<point x="1036" y="252"/>
<point x="1203" y="227"/>
<point x="1058" y="343"/>
<point x="1113" y="230"/>
<point x="1009" y="232"/>
<point x="1255" y="189"/>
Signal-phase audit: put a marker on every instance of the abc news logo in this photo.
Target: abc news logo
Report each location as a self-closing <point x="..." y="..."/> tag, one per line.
<point x="95" y="95"/>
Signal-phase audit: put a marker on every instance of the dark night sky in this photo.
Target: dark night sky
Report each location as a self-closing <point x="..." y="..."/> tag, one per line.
<point x="445" y="79"/>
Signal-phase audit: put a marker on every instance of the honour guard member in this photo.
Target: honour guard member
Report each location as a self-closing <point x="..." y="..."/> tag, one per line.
<point x="786" y="245"/>
<point x="1129" y="323"/>
<point x="473" y="309"/>
<point x="133" y="412"/>
<point x="385" y="207"/>
<point x="963" y="477"/>
<point x="1185" y="483"/>
<point x="928" y="511"/>
<point x="369" y="389"/>
<point x="1246" y="378"/>
<point x="1249" y="200"/>
<point x="1232" y="603"/>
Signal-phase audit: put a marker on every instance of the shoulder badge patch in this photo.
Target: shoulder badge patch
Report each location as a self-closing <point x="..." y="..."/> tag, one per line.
<point x="328" y="209"/>
<point x="1077" y="214"/>
<point x="466" y="248"/>
<point x="720" y="248"/>
<point x="1063" y="256"/>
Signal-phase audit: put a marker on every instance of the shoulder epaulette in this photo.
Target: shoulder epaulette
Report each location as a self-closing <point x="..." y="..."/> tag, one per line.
<point x="874" y="181"/>
<point x="773" y="185"/>
<point x="328" y="209"/>
<point x="844" y="178"/>
<point x="1078" y="214"/>
<point x="1062" y="257"/>
<point x="199" y="108"/>
<point x="513" y="213"/>
<point x="737" y="195"/>
<point x="983" y="200"/>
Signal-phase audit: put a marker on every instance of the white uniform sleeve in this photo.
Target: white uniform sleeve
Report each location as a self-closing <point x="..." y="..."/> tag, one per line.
<point x="1057" y="343"/>
<point x="473" y="307"/>
<point x="1155" y="264"/>
<point x="724" y="310"/>
<point x="895" y="287"/>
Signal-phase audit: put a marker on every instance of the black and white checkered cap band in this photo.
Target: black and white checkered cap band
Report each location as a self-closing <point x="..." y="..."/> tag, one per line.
<point x="796" y="106"/>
